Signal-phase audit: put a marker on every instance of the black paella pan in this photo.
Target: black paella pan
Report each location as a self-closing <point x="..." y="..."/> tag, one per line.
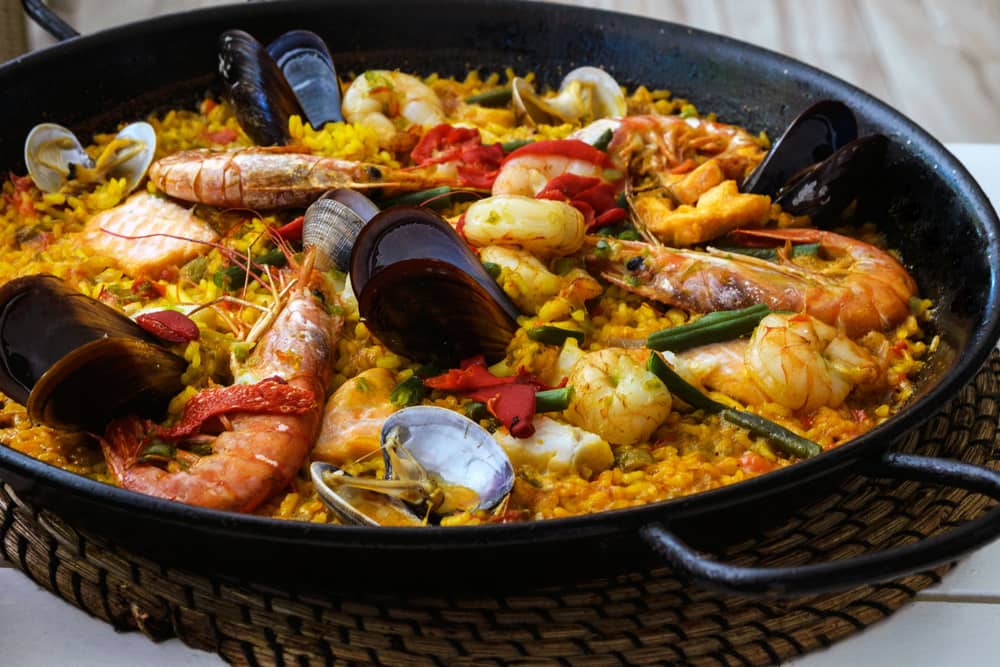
<point x="926" y="202"/>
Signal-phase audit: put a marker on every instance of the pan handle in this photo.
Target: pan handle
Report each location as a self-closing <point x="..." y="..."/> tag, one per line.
<point x="851" y="572"/>
<point x="48" y="20"/>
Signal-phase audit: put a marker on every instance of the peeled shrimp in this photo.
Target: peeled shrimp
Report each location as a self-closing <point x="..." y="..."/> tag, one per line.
<point x="862" y="289"/>
<point x="545" y="227"/>
<point x="389" y="102"/>
<point x="794" y="360"/>
<point x="272" y="177"/>
<point x="615" y="396"/>
<point x="258" y="454"/>
<point x="527" y="173"/>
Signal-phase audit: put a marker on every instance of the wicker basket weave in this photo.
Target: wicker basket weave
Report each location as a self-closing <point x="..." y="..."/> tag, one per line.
<point x="647" y="617"/>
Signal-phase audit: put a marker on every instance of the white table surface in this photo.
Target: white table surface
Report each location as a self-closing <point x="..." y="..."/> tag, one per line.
<point x="953" y="623"/>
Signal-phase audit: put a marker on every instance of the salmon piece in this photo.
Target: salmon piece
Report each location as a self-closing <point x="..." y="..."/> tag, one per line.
<point x="143" y="214"/>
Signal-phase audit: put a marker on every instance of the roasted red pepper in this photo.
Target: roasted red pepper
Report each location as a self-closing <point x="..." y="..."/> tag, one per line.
<point x="476" y="165"/>
<point x="291" y="231"/>
<point x="594" y="198"/>
<point x="169" y="325"/>
<point x="571" y="148"/>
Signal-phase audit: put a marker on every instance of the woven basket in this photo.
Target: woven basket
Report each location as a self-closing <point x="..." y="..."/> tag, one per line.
<point x="640" y="617"/>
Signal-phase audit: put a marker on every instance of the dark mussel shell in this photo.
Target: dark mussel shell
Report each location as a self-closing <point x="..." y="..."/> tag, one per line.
<point x="308" y="67"/>
<point x="813" y="136"/>
<point x="826" y="188"/>
<point x="333" y="222"/>
<point x="256" y="88"/>
<point x="77" y="363"/>
<point x="424" y="294"/>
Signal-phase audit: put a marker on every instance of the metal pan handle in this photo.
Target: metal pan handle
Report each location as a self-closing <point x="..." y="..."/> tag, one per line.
<point x="48" y="20"/>
<point x="851" y="572"/>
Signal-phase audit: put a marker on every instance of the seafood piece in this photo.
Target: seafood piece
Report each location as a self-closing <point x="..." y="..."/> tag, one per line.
<point x="147" y="235"/>
<point x="353" y="417"/>
<point x="256" y="89"/>
<point x="390" y="102"/>
<point x="528" y="169"/>
<point x="305" y="61"/>
<point x="523" y="277"/>
<point x="558" y="448"/>
<point x="275" y="177"/>
<point x="585" y="94"/>
<point x="333" y="222"/>
<point x="53" y="155"/>
<point x="423" y="293"/>
<point x="59" y="345"/>
<point x="794" y="360"/>
<point x="258" y="454"/>
<point x="544" y="227"/>
<point x="862" y="289"/>
<point x="436" y="461"/>
<point x="615" y="396"/>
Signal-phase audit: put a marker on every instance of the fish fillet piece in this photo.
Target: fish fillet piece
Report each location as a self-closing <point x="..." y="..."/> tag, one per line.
<point x="144" y="214"/>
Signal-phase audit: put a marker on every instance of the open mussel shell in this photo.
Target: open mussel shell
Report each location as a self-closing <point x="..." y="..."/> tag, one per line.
<point x="308" y="67"/>
<point x="137" y="146"/>
<point x="812" y="137"/>
<point x="826" y="188"/>
<point x="77" y="363"/>
<point x="332" y="223"/>
<point x="457" y="453"/>
<point x="49" y="153"/>
<point x="355" y="505"/>
<point x="256" y="88"/>
<point x="424" y="294"/>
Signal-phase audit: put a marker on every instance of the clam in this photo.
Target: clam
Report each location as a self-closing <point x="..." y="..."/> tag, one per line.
<point x="332" y="223"/>
<point x="818" y="165"/>
<point x="308" y="67"/>
<point x="424" y="294"/>
<point x="586" y="93"/>
<point x="76" y="363"/>
<point x="53" y="155"/>
<point x="256" y="88"/>
<point x="436" y="462"/>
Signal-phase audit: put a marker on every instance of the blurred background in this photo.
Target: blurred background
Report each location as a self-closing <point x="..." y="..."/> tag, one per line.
<point x="938" y="62"/>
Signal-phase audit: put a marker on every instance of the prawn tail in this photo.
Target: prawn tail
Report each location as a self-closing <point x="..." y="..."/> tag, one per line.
<point x="122" y="444"/>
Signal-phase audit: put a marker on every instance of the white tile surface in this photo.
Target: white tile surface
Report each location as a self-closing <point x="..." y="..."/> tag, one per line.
<point x="38" y="629"/>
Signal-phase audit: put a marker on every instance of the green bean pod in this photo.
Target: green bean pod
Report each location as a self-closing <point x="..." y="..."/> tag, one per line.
<point x="497" y="97"/>
<point x="553" y="400"/>
<point x="550" y="335"/>
<point x="712" y="328"/>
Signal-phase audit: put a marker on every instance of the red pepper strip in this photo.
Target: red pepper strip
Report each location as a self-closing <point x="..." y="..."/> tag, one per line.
<point x="570" y="148"/>
<point x="291" y="231"/>
<point x="270" y="396"/>
<point x="471" y="375"/>
<point x="594" y="198"/>
<point x="477" y="165"/>
<point x="609" y="217"/>
<point x="169" y="325"/>
<point x="512" y="404"/>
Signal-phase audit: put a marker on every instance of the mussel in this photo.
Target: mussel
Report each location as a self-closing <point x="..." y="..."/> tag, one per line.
<point x="819" y="165"/>
<point x="423" y="293"/>
<point x="585" y="94"/>
<point x="76" y="363"/>
<point x="256" y="88"/>
<point x="436" y="462"/>
<point x="333" y="222"/>
<point x="53" y="155"/>
<point x="308" y="67"/>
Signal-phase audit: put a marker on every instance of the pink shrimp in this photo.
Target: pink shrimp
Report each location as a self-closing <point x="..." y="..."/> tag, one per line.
<point x="274" y="177"/>
<point x="863" y="289"/>
<point x="259" y="453"/>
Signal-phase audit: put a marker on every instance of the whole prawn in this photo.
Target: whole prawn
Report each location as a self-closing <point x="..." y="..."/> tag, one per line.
<point x="258" y="454"/>
<point x="864" y="289"/>
<point x="273" y="177"/>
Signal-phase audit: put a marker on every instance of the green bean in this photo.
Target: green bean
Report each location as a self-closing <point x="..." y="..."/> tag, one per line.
<point x="493" y="269"/>
<point x="788" y="442"/>
<point x="771" y="254"/>
<point x="712" y="328"/>
<point x="158" y="450"/>
<point x="408" y="392"/>
<point x="553" y="335"/>
<point x="491" y="98"/>
<point x="514" y="144"/>
<point x="418" y="198"/>
<point x="553" y="400"/>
